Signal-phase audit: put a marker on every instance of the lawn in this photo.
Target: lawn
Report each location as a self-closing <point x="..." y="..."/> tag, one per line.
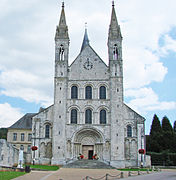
<point x="134" y="169"/>
<point x="6" y="175"/>
<point x="44" y="167"/>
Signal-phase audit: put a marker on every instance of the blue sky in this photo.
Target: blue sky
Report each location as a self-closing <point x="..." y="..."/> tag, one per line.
<point x="27" y="52"/>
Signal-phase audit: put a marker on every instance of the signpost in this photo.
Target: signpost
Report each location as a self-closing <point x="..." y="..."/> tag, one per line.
<point x="34" y="148"/>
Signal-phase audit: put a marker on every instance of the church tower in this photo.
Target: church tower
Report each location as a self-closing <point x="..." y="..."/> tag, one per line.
<point x="116" y="89"/>
<point x="60" y="89"/>
<point x="61" y="46"/>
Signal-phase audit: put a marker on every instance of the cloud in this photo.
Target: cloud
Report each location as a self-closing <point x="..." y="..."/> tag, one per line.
<point x="9" y="115"/>
<point x="169" y="45"/>
<point x="27" y="44"/>
<point x="30" y="87"/>
<point x="145" y="99"/>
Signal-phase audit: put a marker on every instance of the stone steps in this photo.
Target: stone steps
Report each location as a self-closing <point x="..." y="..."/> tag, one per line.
<point x="88" y="164"/>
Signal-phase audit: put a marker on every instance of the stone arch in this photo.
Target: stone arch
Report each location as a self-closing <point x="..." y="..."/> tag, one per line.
<point x="49" y="150"/>
<point x="42" y="150"/>
<point x="87" y="139"/>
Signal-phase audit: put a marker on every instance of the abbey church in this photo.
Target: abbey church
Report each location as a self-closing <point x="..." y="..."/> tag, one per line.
<point x="89" y="115"/>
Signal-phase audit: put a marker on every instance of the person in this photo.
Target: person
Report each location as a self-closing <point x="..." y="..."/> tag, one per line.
<point x="80" y="156"/>
<point x="95" y="157"/>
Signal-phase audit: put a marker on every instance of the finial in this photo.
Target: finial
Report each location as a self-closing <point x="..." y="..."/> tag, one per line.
<point x="113" y="4"/>
<point x="86" y="25"/>
<point x="62" y="4"/>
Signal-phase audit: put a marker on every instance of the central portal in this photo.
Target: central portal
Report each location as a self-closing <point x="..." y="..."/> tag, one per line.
<point x="87" y="151"/>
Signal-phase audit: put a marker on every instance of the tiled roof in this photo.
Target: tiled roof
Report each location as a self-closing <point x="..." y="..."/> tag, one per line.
<point x="24" y="123"/>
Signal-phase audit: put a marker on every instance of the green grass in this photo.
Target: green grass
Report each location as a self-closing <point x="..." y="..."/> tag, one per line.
<point x="6" y="175"/>
<point x="44" y="167"/>
<point x="134" y="169"/>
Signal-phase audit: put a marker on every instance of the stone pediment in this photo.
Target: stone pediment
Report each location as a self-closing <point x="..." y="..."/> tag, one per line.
<point x="88" y="66"/>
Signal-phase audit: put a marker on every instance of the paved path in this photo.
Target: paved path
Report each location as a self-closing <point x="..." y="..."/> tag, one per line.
<point x="79" y="174"/>
<point x="155" y="176"/>
<point x="67" y="174"/>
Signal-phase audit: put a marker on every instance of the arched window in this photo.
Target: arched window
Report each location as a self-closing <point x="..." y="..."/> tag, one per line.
<point x="61" y="53"/>
<point x="88" y="92"/>
<point x="102" y="92"/>
<point x="74" y="92"/>
<point x="103" y="116"/>
<point x="115" y="52"/>
<point x="129" y="131"/>
<point x="88" y="116"/>
<point x="47" y="131"/>
<point x="73" y="116"/>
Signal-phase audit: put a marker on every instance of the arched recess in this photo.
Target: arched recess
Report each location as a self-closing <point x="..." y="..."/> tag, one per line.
<point x="86" y="140"/>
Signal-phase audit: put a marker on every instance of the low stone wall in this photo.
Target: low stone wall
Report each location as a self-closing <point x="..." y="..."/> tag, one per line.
<point x="8" y="154"/>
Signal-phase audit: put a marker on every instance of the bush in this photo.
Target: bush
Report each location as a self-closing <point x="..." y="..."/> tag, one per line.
<point x="164" y="158"/>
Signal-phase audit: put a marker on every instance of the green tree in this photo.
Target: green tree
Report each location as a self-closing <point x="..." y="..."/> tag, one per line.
<point x="156" y="126"/>
<point x="3" y="133"/>
<point x="167" y="135"/>
<point x="154" y="140"/>
<point x="174" y="128"/>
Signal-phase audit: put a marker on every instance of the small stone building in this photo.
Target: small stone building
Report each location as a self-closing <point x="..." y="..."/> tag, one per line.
<point x="89" y="114"/>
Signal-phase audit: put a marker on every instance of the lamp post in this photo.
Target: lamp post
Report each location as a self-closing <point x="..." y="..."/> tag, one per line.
<point x="142" y="149"/>
<point x="34" y="148"/>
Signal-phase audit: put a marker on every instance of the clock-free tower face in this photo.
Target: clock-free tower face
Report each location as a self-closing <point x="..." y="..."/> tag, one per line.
<point x="88" y="64"/>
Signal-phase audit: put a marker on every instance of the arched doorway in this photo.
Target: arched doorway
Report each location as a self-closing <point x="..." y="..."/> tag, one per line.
<point x="88" y="142"/>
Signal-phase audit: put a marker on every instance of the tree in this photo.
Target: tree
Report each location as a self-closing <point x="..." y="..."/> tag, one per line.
<point x="167" y="135"/>
<point x="174" y="128"/>
<point x="3" y="133"/>
<point x="166" y="125"/>
<point x="154" y="140"/>
<point x="156" y="126"/>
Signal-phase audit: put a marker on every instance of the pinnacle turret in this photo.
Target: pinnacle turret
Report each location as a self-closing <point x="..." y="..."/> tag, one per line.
<point x="85" y="40"/>
<point x="114" y="28"/>
<point x="62" y="28"/>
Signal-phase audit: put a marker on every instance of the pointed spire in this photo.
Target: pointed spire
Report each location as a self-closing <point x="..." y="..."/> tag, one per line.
<point x="86" y="39"/>
<point x="114" y="28"/>
<point x="62" y="21"/>
<point x="62" y="29"/>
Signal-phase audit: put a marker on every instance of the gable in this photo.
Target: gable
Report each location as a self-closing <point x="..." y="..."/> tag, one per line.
<point x="88" y="66"/>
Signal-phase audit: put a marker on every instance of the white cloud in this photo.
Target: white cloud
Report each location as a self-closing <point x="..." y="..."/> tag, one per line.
<point x="9" y="115"/>
<point x="27" y="86"/>
<point x="169" y="45"/>
<point x="145" y="99"/>
<point x="27" y="44"/>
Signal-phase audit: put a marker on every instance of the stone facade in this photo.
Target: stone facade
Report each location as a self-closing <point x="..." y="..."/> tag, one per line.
<point x="89" y="115"/>
<point x="8" y="154"/>
<point x="25" y="144"/>
<point x="20" y="135"/>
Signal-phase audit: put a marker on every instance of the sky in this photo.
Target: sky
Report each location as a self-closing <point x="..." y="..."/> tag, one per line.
<point x="27" y="30"/>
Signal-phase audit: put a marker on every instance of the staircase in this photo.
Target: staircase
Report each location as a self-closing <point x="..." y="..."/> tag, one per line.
<point x="88" y="164"/>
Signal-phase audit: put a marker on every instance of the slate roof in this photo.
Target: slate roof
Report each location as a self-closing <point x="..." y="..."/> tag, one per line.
<point x="24" y="123"/>
<point x="85" y="40"/>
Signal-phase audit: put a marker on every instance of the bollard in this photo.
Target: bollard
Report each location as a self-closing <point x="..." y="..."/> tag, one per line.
<point x="147" y="171"/>
<point x="138" y="172"/>
<point x="121" y="175"/>
<point x="106" y="177"/>
<point x="129" y="173"/>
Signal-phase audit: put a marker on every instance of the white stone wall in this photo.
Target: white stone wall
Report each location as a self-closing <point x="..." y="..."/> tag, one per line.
<point x="8" y="154"/>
